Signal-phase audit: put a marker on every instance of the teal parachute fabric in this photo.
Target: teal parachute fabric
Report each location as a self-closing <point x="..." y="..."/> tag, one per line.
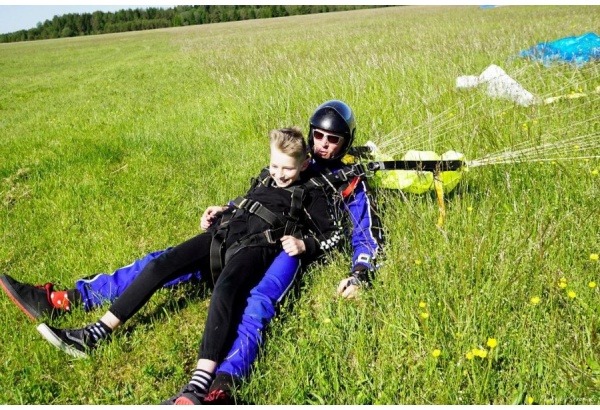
<point x="577" y="50"/>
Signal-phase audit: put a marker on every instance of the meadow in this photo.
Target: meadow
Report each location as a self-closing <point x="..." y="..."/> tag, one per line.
<point x="112" y="146"/>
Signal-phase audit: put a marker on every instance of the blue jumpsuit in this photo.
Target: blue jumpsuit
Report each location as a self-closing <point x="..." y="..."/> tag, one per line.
<point x="264" y="297"/>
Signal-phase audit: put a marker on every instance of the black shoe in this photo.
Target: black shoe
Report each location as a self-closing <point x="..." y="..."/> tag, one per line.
<point x="188" y="395"/>
<point x="76" y="342"/>
<point x="33" y="300"/>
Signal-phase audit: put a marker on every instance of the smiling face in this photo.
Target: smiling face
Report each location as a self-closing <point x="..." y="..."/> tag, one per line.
<point x="326" y="145"/>
<point x="285" y="169"/>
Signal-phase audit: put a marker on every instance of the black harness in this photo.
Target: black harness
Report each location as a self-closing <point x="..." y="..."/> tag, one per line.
<point x="279" y="225"/>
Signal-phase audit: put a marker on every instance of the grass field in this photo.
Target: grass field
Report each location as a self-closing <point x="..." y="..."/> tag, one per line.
<point x="112" y="146"/>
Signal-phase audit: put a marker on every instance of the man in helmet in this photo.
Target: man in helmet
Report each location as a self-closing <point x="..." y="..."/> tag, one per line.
<point x="331" y="134"/>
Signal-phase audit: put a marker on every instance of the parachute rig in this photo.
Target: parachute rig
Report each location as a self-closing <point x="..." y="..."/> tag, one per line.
<point x="416" y="172"/>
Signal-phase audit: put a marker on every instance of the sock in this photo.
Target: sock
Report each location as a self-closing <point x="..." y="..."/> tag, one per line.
<point x="201" y="381"/>
<point x="98" y="331"/>
<point x="60" y="299"/>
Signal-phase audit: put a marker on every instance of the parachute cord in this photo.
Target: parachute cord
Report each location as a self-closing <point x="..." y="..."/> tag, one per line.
<point x="439" y="191"/>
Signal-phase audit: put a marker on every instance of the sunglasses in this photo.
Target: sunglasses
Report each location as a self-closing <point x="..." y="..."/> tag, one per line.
<point x="331" y="138"/>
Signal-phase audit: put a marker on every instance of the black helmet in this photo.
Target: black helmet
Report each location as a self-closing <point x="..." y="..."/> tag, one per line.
<point x="337" y="117"/>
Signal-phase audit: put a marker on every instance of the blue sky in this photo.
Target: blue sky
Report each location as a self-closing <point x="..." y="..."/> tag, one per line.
<point x="14" y="18"/>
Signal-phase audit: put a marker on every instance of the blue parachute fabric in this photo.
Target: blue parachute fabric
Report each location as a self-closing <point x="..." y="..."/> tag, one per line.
<point x="577" y="50"/>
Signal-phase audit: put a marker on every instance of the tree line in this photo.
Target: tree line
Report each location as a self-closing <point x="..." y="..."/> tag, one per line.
<point x="99" y="22"/>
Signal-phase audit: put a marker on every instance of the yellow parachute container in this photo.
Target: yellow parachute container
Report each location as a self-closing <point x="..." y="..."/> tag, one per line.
<point x="418" y="182"/>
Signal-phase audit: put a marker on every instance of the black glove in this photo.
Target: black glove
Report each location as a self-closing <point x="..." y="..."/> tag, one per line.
<point x="361" y="276"/>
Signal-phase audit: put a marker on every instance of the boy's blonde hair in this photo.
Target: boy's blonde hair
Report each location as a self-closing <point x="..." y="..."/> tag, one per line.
<point x="290" y="141"/>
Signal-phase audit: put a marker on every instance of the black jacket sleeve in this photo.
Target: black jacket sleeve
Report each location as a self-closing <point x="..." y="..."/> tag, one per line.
<point x="321" y="231"/>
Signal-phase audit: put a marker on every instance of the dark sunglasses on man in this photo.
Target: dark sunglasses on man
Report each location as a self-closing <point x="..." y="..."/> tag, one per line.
<point x="331" y="138"/>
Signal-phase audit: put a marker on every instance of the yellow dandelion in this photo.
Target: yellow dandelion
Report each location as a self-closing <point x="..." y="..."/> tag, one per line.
<point x="422" y="304"/>
<point x="424" y="315"/>
<point x="326" y="320"/>
<point x="436" y="352"/>
<point x="563" y="279"/>
<point x="480" y="353"/>
<point x="470" y="355"/>
<point x="562" y="285"/>
<point x="470" y="209"/>
<point x="491" y="342"/>
<point x="594" y="257"/>
<point x="572" y="294"/>
<point x="418" y="261"/>
<point x="534" y="300"/>
<point x="529" y="400"/>
<point x="595" y="172"/>
<point x="592" y="285"/>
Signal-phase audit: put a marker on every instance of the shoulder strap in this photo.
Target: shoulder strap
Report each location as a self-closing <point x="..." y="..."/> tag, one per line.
<point x="262" y="179"/>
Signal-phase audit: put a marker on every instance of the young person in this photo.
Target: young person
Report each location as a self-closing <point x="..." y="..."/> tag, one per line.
<point x="330" y="120"/>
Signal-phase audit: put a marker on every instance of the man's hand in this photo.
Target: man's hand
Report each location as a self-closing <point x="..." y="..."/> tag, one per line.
<point x="209" y="216"/>
<point x="292" y="246"/>
<point x="349" y="287"/>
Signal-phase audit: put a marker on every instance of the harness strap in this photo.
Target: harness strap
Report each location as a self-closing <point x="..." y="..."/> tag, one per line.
<point x="351" y="187"/>
<point x="291" y="224"/>
<point x="280" y="226"/>
<point x="216" y="252"/>
<point x="259" y="210"/>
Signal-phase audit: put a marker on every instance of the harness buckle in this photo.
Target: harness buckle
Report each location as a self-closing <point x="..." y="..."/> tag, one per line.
<point x="269" y="237"/>
<point x="254" y="207"/>
<point x="359" y="170"/>
<point x="243" y="203"/>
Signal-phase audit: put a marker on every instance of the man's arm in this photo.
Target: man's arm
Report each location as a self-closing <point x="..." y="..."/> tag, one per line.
<point x="367" y="238"/>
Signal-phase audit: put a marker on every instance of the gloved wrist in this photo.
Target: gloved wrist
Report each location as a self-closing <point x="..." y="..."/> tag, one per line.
<point x="361" y="276"/>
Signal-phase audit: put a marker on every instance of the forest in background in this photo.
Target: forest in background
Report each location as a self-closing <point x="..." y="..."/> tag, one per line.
<point x="99" y="22"/>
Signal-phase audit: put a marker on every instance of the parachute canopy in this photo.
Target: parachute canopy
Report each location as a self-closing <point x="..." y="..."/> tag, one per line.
<point x="577" y="50"/>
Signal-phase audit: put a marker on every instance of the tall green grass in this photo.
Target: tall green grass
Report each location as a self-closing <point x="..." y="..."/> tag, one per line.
<point x="112" y="146"/>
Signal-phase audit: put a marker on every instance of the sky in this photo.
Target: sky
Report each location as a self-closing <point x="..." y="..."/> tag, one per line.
<point x="24" y="17"/>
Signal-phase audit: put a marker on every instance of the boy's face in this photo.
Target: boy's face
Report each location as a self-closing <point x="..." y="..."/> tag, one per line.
<point x="285" y="169"/>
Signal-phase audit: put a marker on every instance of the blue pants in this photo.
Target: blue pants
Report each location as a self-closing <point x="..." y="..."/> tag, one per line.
<point x="260" y="309"/>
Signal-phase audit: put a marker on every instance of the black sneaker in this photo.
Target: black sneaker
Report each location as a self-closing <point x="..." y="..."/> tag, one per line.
<point x="76" y="342"/>
<point x="33" y="300"/>
<point x="188" y="395"/>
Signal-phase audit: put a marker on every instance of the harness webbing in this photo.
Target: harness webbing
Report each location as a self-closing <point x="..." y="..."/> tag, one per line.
<point x="280" y="225"/>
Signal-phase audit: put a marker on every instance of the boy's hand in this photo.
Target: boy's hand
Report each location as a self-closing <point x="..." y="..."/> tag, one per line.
<point x="209" y="216"/>
<point x="349" y="287"/>
<point x="292" y="246"/>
